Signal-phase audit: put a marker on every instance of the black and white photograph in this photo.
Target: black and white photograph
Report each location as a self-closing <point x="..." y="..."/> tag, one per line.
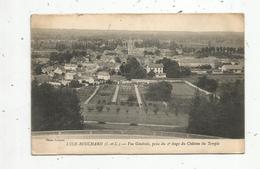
<point x="136" y="77"/>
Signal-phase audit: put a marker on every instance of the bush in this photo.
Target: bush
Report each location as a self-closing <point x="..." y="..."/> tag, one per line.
<point x="100" y="108"/>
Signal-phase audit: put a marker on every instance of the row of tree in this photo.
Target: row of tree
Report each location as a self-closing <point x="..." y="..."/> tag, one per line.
<point x="220" y="51"/>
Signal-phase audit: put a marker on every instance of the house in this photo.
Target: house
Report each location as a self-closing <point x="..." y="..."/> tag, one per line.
<point x="47" y="69"/>
<point x="179" y="51"/>
<point x="199" y="71"/>
<point x="156" y="68"/>
<point x="56" y="84"/>
<point x="217" y="71"/>
<point x="160" y="75"/>
<point x="41" y="60"/>
<point x="150" y="49"/>
<point x="70" y="67"/>
<point x="103" y="75"/>
<point x="232" y="69"/>
<point x="90" y="67"/>
<point x="58" y="71"/>
<point x="42" y="78"/>
<point x="65" y="82"/>
<point x="87" y="79"/>
<point x="117" y="68"/>
<point x="69" y="76"/>
<point x="165" y="52"/>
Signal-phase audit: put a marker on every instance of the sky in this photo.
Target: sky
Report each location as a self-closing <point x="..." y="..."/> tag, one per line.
<point x="143" y="22"/>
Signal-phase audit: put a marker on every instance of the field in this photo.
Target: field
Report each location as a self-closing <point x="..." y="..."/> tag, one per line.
<point x="126" y="109"/>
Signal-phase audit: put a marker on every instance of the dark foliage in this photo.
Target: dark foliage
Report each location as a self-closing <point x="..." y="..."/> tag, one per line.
<point x="38" y="69"/>
<point x="132" y="69"/>
<point x="172" y="68"/>
<point x="55" y="109"/>
<point x="160" y="91"/>
<point x="74" y="84"/>
<point x="151" y="74"/>
<point x="224" y="117"/>
<point x="61" y="57"/>
<point x="207" y="84"/>
<point x="117" y="59"/>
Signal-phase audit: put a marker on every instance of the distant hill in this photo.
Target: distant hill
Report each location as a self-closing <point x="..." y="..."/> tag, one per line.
<point x="231" y="39"/>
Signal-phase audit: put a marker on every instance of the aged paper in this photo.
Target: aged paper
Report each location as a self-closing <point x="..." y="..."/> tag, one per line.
<point x="137" y="83"/>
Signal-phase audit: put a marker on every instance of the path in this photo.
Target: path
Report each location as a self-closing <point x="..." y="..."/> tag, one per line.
<point x="92" y="95"/>
<point x="139" y="100"/>
<point x="114" y="99"/>
<point x="139" y="124"/>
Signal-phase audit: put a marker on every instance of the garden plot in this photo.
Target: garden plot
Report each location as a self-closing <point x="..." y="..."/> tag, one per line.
<point x="103" y="95"/>
<point x="85" y="92"/>
<point x="127" y="95"/>
<point x="126" y="108"/>
<point x="183" y="90"/>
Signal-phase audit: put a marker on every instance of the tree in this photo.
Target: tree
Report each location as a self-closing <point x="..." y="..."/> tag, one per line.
<point x="160" y="91"/>
<point x="74" y="84"/>
<point x="207" y="84"/>
<point x="38" y="69"/>
<point x="151" y="74"/>
<point x="185" y="71"/>
<point x="132" y="69"/>
<point x="156" y="109"/>
<point x="117" y="59"/>
<point x="170" y="67"/>
<point x="157" y="52"/>
<point x="117" y="109"/>
<point x="61" y="57"/>
<point x="98" y="57"/>
<point x="222" y="117"/>
<point x="55" y="109"/>
<point x="99" y="108"/>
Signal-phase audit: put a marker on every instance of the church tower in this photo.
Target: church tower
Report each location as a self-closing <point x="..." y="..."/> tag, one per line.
<point x="130" y="46"/>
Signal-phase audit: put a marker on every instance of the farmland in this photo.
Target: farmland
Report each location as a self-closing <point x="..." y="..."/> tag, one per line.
<point x="122" y="106"/>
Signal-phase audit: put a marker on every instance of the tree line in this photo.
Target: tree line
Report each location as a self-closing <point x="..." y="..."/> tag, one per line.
<point x="220" y="51"/>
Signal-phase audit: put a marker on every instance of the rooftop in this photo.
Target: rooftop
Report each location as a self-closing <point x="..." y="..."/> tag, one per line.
<point x="103" y="73"/>
<point x="239" y="67"/>
<point x="153" y="65"/>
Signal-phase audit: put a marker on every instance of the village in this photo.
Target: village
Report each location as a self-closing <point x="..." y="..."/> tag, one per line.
<point x="93" y="67"/>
